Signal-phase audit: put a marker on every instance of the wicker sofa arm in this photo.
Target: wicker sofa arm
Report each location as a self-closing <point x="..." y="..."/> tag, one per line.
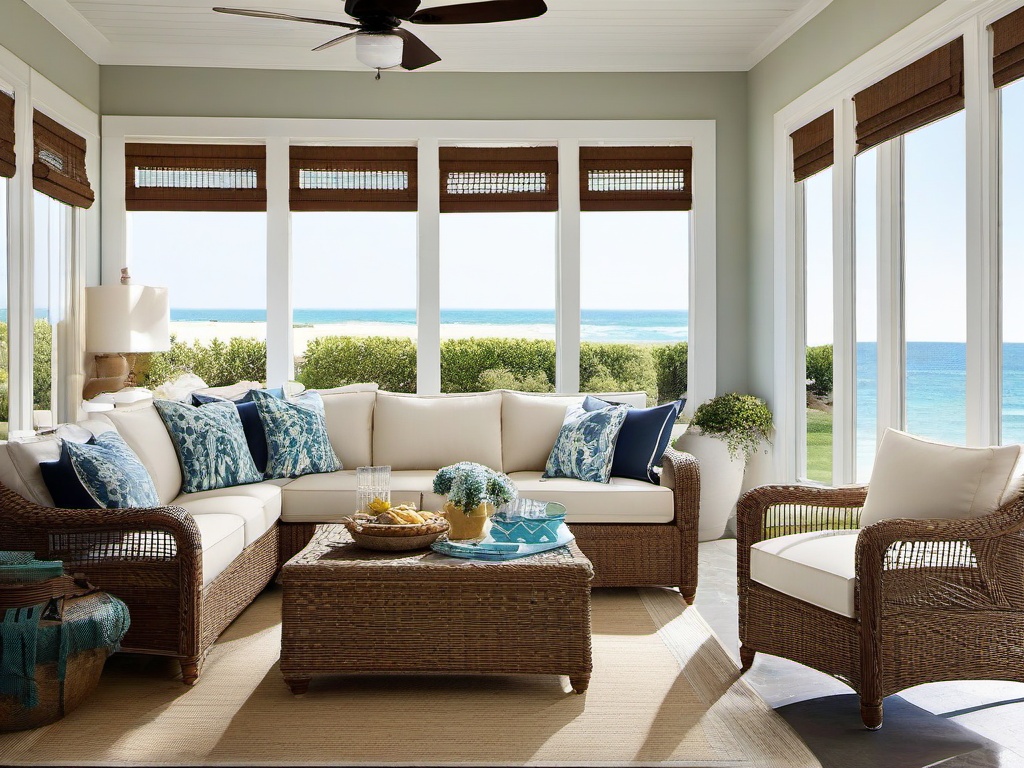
<point x="681" y="472"/>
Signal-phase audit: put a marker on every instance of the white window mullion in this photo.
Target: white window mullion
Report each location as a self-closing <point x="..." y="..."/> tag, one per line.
<point x="428" y="269"/>
<point x="984" y="352"/>
<point x="567" y="302"/>
<point x="800" y="322"/>
<point x="844" y="345"/>
<point x="891" y="342"/>
<point x="280" y="345"/>
<point x="20" y="312"/>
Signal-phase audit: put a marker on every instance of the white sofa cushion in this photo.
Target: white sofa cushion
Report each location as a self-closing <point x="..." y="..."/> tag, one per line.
<point x="433" y="431"/>
<point x="250" y="510"/>
<point x="529" y="427"/>
<point x="267" y="493"/>
<point x="223" y="539"/>
<point x="326" y="498"/>
<point x="25" y="454"/>
<point x="144" y="431"/>
<point x="817" y="567"/>
<point x="621" y="500"/>
<point x="919" y="479"/>
<point x="349" y="418"/>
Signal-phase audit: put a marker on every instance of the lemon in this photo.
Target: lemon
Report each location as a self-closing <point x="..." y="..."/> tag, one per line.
<point x="379" y="505"/>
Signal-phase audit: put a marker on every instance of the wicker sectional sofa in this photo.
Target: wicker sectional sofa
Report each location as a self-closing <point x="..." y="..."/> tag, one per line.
<point x="189" y="567"/>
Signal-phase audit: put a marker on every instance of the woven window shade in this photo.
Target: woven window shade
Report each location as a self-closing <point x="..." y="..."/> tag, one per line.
<point x="7" y="162"/>
<point x="813" y="147"/>
<point x="58" y="168"/>
<point x="1008" y="49"/>
<point x="195" y="177"/>
<point x="353" y="179"/>
<point x="636" y="178"/>
<point x="516" y="179"/>
<point x="928" y="90"/>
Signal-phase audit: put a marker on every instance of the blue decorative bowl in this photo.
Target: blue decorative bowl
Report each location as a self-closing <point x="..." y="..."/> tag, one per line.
<point x="526" y="521"/>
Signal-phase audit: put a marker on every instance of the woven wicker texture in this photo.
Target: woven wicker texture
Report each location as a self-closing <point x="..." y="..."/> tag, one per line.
<point x="353" y="179"/>
<point x="636" y="178"/>
<point x="1008" y="48"/>
<point x="7" y="156"/>
<point x="59" y="168"/>
<point x="936" y="599"/>
<point x="663" y="690"/>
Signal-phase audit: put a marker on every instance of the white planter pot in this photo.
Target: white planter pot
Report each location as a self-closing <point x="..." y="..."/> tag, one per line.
<point x="721" y="478"/>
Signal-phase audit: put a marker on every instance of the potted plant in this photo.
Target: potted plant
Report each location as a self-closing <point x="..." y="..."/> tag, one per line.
<point x="474" y="491"/>
<point x="722" y="435"/>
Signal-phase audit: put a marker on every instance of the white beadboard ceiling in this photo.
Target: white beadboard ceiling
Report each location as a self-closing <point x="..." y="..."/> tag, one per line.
<point x="573" y="36"/>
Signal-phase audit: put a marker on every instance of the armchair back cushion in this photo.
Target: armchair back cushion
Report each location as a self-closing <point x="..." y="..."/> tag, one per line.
<point x="919" y="479"/>
<point x="433" y="431"/>
<point x="350" y="425"/>
<point x="144" y="431"/>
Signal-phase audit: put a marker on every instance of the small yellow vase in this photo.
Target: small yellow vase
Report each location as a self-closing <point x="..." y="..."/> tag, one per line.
<point x="463" y="526"/>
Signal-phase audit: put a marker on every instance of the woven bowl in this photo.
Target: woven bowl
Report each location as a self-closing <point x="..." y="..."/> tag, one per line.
<point x="395" y="538"/>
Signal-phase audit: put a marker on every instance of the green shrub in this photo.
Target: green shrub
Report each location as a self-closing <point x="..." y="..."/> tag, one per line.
<point x="42" y="364"/>
<point x="464" y="361"/>
<point x="218" y="364"/>
<point x="619" y="367"/>
<point x="672" y="362"/>
<point x="819" y="370"/>
<point x="501" y="378"/>
<point x="332" y="361"/>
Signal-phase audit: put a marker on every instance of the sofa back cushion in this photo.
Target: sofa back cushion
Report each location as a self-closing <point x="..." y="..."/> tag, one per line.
<point x="349" y="417"/>
<point x="433" y="431"/>
<point x="920" y="479"/>
<point x="529" y="427"/>
<point x="144" y="431"/>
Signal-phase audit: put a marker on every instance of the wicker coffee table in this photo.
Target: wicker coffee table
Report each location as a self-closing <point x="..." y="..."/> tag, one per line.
<point x="350" y="610"/>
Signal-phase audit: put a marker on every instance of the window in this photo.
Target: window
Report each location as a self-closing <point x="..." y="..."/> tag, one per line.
<point x="53" y="232"/>
<point x="866" y="267"/>
<point x="1012" y="103"/>
<point x="817" y="194"/>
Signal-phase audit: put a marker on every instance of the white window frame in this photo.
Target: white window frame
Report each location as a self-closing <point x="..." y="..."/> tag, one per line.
<point x="946" y="22"/>
<point x="429" y="136"/>
<point x="33" y="91"/>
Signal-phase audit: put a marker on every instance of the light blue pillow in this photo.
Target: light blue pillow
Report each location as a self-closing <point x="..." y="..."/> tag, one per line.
<point x="585" y="446"/>
<point x="111" y="473"/>
<point x="296" y="429"/>
<point x="210" y="444"/>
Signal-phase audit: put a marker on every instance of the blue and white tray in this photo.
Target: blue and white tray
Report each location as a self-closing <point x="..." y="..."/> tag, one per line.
<point x="492" y="551"/>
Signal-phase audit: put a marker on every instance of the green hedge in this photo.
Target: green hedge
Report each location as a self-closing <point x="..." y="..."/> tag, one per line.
<point x="332" y="361"/>
<point x="464" y="362"/>
<point x="819" y="370"/>
<point x="42" y="377"/>
<point x="218" y="364"/>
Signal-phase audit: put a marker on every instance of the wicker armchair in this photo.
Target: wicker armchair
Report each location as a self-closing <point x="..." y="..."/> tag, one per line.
<point x="935" y="599"/>
<point x="152" y="560"/>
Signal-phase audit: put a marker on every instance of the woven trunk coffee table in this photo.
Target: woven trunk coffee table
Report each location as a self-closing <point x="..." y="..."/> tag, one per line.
<point x="350" y="610"/>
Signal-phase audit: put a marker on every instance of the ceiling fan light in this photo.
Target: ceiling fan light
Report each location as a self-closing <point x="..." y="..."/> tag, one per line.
<point x="379" y="51"/>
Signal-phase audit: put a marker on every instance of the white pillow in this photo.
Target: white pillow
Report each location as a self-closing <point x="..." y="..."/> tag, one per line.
<point x="920" y="479"/>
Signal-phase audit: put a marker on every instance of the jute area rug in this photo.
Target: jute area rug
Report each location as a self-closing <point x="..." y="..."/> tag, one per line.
<point x="664" y="691"/>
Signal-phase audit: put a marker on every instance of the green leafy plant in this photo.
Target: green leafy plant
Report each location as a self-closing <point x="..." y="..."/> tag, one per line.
<point x="468" y="485"/>
<point x="742" y="421"/>
<point x="819" y="370"/>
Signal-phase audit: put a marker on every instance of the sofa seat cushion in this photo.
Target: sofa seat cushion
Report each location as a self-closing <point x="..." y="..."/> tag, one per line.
<point x="621" y="500"/>
<point x="433" y="431"/>
<point x="818" y="568"/>
<point x="223" y="538"/>
<point x="247" y="508"/>
<point x="327" y="498"/>
<point x="268" y="493"/>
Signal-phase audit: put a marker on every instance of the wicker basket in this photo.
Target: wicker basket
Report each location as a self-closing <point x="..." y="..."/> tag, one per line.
<point x="56" y="698"/>
<point x="395" y="538"/>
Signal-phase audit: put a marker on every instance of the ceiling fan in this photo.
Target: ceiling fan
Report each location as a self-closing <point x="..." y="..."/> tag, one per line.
<point x="381" y="43"/>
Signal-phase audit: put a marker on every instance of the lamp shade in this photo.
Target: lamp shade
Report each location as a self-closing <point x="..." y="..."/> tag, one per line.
<point x="127" y="318"/>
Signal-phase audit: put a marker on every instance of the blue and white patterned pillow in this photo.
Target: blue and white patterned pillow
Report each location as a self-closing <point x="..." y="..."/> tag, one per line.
<point x="585" y="445"/>
<point x="111" y="473"/>
<point x="297" y="440"/>
<point x="210" y="444"/>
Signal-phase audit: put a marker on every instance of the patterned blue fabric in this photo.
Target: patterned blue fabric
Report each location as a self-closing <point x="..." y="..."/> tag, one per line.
<point x="586" y="444"/>
<point x="643" y="439"/>
<point x="111" y="473"/>
<point x="210" y="444"/>
<point x="296" y="429"/>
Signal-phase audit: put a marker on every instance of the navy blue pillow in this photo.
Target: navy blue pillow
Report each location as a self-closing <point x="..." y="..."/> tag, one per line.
<point x="63" y="483"/>
<point x="643" y="439"/>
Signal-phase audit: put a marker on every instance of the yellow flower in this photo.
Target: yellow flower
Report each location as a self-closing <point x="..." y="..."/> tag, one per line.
<point x="378" y="506"/>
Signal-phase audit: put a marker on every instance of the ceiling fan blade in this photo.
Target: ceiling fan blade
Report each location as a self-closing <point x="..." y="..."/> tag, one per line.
<point x="284" y="17"/>
<point x="400" y="9"/>
<point x="335" y="41"/>
<point x="415" y="53"/>
<point x="480" y="13"/>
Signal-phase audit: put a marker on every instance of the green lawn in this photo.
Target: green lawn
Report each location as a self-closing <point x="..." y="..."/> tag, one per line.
<point x="819" y="446"/>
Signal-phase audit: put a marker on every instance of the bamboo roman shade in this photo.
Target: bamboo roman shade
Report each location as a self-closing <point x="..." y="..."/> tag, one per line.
<point x="636" y="178"/>
<point x="353" y="179"/>
<point x="58" y="167"/>
<point x="928" y="90"/>
<point x="195" y="177"/>
<point x="516" y="179"/>
<point x="813" y="147"/>
<point x="7" y="162"/>
<point x="1008" y="48"/>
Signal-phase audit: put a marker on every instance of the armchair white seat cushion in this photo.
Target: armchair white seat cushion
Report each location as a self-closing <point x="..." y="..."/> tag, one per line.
<point x="223" y="538"/>
<point x="921" y="479"/>
<point x="817" y="567"/>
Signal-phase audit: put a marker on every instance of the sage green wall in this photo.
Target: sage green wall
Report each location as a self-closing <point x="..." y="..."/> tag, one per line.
<point x="839" y="34"/>
<point x="35" y="41"/>
<point x="492" y="96"/>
